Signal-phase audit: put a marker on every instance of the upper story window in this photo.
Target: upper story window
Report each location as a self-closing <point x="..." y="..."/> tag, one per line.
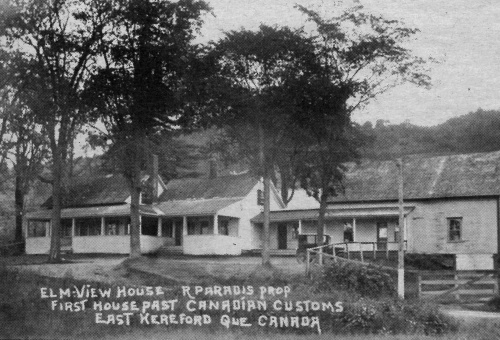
<point x="454" y="229"/>
<point x="260" y="197"/>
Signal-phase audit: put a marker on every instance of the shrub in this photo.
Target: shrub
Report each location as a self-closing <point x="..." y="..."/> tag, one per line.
<point x="392" y="316"/>
<point x="364" y="280"/>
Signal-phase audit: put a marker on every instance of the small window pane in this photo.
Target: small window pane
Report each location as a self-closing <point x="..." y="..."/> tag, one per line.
<point x="454" y="229"/>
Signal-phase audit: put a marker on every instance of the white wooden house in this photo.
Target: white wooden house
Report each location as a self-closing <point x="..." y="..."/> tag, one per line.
<point x="451" y="206"/>
<point x="205" y="216"/>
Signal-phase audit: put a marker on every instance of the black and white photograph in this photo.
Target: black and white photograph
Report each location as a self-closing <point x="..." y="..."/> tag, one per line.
<point x="259" y="169"/>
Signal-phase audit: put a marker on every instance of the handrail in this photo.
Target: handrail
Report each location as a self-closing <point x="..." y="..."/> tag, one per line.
<point x="320" y="251"/>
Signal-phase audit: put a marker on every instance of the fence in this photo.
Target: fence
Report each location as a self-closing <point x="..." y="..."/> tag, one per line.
<point x="439" y="285"/>
<point x="462" y="286"/>
<point x="312" y="253"/>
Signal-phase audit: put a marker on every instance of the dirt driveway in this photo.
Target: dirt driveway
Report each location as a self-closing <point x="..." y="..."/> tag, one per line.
<point x="179" y="269"/>
<point x="187" y="269"/>
<point x="105" y="269"/>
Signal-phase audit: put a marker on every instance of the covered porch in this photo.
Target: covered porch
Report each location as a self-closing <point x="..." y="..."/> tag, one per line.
<point x="104" y="229"/>
<point x="199" y="227"/>
<point x="358" y="232"/>
<point x="202" y="235"/>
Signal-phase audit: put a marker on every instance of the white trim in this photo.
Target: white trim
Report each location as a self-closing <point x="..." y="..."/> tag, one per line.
<point x="354" y="229"/>
<point x="184" y="225"/>
<point x="216" y="224"/>
<point x="103" y="226"/>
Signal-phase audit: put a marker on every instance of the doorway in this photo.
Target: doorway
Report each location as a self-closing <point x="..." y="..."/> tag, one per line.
<point x="381" y="235"/>
<point x="282" y="236"/>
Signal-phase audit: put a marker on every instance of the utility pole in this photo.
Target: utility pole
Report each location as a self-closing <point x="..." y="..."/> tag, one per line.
<point x="401" y="248"/>
<point x="266" y="256"/>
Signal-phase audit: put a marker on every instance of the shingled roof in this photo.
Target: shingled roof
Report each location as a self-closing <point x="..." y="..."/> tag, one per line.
<point x="90" y="191"/>
<point x="467" y="175"/>
<point x="231" y="186"/>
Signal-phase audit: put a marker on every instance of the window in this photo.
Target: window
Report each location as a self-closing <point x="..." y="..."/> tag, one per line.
<point x="260" y="197"/>
<point x="191" y="227"/>
<point x="223" y="227"/>
<point x="87" y="226"/>
<point x="116" y="225"/>
<point x="66" y="227"/>
<point x="205" y="227"/>
<point x="37" y="228"/>
<point x="149" y="225"/>
<point x="454" y="229"/>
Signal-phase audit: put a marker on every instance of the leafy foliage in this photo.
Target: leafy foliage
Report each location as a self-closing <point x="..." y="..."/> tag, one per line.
<point x="364" y="280"/>
<point x="475" y="132"/>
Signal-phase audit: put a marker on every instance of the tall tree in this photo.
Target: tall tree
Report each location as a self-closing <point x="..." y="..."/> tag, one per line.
<point x="58" y="41"/>
<point x="361" y="56"/>
<point x="253" y="68"/>
<point x="26" y="149"/>
<point x="145" y="86"/>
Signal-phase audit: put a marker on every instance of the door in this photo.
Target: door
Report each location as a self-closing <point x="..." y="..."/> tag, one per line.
<point x="282" y="236"/>
<point x="381" y="235"/>
<point x="178" y="233"/>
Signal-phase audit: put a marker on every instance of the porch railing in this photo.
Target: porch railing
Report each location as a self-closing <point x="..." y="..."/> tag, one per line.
<point x="348" y="248"/>
<point x="365" y="248"/>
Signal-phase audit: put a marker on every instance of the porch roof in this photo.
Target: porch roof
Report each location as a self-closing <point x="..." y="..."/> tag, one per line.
<point x="312" y="214"/>
<point x="99" y="211"/>
<point x="195" y="207"/>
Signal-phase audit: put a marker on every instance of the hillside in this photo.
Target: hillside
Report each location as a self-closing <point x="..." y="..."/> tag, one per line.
<point x="477" y="131"/>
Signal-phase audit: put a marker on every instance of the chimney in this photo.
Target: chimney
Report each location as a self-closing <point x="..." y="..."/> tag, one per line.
<point x="213" y="168"/>
<point x="154" y="179"/>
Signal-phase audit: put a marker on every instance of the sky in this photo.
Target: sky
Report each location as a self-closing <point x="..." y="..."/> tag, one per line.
<point x="463" y="36"/>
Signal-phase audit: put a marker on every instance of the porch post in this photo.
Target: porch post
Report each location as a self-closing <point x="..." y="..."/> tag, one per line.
<point x="174" y="225"/>
<point x="73" y="227"/>
<point x="140" y="225"/>
<point x="102" y="226"/>
<point x="184" y="225"/>
<point x="159" y="227"/>
<point x="353" y="229"/>
<point x="48" y="228"/>
<point x="216" y="224"/>
<point x="299" y="230"/>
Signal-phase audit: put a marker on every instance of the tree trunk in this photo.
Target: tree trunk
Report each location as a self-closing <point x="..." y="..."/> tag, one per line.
<point x="19" y="208"/>
<point x="135" y="222"/>
<point x="55" y="227"/>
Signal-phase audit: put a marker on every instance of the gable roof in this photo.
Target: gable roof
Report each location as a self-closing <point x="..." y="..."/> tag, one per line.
<point x="232" y="186"/>
<point x="467" y="175"/>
